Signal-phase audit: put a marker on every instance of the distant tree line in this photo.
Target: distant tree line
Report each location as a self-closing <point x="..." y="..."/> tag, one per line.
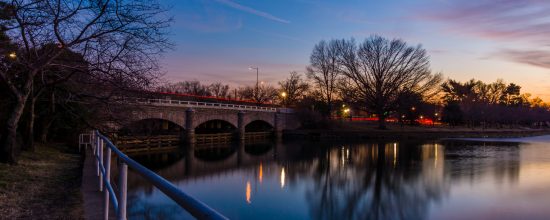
<point x="263" y="94"/>
<point x="491" y="105"/>
<point x="384" y="78"/>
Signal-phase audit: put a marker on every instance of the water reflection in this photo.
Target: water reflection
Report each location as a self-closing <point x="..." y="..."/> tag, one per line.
<point x="376" y="181"/>
<point x="301" y="180"/>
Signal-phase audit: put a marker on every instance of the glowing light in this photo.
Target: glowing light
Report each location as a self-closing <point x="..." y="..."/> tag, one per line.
<point x="394" y="154"/>
<point x="413" y="108"/>
<point x="346" y="110"/>
<point x="283" y="94"/>
<point x="283" y="177"/>
<point x="12" y="55"/>
<point x="435" y="155"/>
<point x="248" y="192"/>
<point x="261" y="173"/>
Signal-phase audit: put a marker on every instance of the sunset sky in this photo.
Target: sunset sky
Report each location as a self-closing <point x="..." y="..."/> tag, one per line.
<point x="217" y="40"/>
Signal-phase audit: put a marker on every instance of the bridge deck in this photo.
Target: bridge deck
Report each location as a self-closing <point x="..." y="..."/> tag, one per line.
<point x="194" y="104"/>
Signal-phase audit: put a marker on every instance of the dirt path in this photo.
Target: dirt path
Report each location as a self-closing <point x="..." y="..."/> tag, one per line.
<point x="44" y="185"/>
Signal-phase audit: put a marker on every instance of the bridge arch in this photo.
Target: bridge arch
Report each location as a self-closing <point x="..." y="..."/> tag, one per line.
<point x="175" y="117"/>
<point x="258" y="126"/>
<point x="151" y="126"/>
<point x="216" y="154"/>
<point x="267" y="117"/>
<point x="215" y="126"/>
<point x="258" y="149"/>
<point x="202" y="118"/>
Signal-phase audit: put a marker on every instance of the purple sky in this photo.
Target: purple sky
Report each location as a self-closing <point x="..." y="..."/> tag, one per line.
<point x="217" y="40"/>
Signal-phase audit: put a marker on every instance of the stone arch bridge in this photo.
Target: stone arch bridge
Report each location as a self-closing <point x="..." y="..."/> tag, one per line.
<point x="190" y="114"/>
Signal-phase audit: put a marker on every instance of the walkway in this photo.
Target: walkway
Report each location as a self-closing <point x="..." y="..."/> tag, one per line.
<point x="93" y="199"/>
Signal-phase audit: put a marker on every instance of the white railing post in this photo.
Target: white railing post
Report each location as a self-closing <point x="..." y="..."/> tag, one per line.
<point x="123" y="189"/>
<point x="101" y="162"/>
<point x="92" y="142"/>
<point x="107" y="180"/>
<point x="97" y="154"/>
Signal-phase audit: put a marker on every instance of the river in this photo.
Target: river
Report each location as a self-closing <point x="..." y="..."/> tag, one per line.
<point x="442" y="179"/>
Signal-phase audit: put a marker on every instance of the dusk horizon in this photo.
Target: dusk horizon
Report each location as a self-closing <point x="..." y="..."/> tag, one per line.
<point x="482" y="40"/>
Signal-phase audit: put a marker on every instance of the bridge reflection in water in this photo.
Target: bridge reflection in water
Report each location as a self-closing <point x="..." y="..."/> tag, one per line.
<point x="301" y="180"/>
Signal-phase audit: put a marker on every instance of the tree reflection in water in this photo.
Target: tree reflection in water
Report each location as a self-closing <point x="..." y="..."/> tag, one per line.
<point x="401" y="180"/>
<point x="376" y="181"/>
<point x="386" y="180"/>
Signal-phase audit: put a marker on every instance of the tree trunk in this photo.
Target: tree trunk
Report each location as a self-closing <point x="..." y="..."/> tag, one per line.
<point x="47" y="122"/>
<point x="10" y="142"/>
<point x="381" y="121"/>
<point x="45" y="130"/>
<point x="29" y="142"/>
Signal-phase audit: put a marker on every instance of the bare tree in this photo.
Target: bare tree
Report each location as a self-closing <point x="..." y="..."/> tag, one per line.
<point x="265" y="93"/>
<point x="187" y="87"/>
<point x="294" y="87"/>
<point x="219" y="90"/>
<point x="120" y="41"/>
<point x="381" y="70"/>
<point x="324" y="70"/>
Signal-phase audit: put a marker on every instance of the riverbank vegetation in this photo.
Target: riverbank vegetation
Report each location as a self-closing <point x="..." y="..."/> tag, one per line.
<point x="61" y="62"/>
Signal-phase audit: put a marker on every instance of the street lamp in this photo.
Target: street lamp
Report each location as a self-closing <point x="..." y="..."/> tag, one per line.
<point x="12" y="55"/>
<point x="257" y="72"/>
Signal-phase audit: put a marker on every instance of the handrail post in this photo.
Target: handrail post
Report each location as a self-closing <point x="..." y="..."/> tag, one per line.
<point x="96" y="154"/>
<point x="122" y="188"/>
<point x="101" y="164"/>
<point x="92" y="142"/>
<point x="191" y="205"/>
<point x="107" y="180"/>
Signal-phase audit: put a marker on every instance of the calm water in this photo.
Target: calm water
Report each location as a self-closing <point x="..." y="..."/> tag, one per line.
<point x="383" y="180"/>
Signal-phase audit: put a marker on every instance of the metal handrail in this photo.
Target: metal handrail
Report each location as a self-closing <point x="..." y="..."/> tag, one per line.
<point x="202" y="104"/>
<point x="195" y="207"/>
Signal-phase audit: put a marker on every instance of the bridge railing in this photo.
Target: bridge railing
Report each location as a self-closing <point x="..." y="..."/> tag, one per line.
<point x="101" y="143"/>
<point x="200" y="104"/>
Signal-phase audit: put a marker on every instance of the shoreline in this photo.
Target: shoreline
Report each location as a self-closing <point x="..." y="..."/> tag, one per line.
<point x="404" y="134"/>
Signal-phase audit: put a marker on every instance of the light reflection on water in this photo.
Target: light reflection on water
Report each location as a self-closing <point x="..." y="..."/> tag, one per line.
<point x="449" y="179"/>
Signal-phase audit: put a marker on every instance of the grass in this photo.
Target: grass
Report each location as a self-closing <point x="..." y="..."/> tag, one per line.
<point x="44" y="185"/>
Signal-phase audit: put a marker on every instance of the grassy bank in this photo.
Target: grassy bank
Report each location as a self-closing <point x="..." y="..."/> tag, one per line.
<point x="44" y="185"/>
<point x="368" y="131"/>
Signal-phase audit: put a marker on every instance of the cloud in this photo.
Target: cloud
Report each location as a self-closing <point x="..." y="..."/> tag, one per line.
<point x="507" y="20"/>
<point x="520" y="24"/>
<point x="537" y="58"/>
<point x="252" y="11"/>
